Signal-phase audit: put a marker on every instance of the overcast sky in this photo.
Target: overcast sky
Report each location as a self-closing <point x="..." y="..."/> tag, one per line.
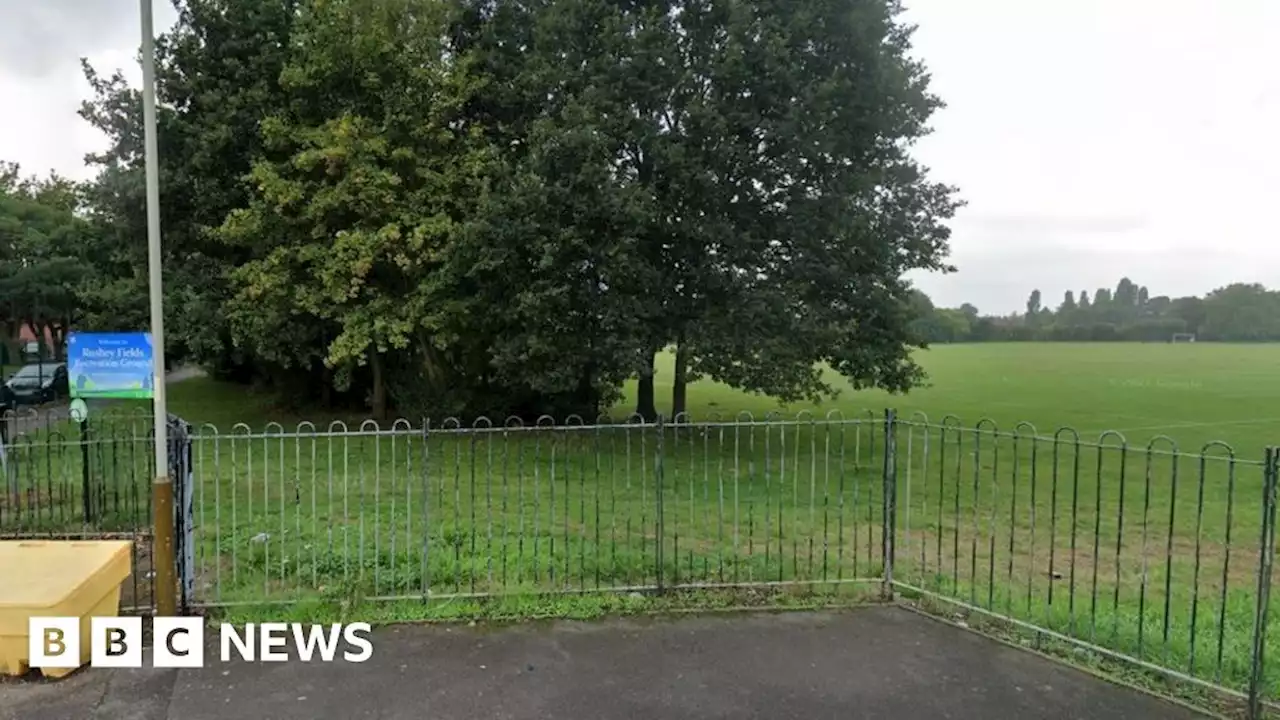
<point x="1091" y="138"/>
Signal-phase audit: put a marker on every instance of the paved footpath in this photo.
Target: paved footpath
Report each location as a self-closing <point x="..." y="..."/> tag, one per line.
<point x="869" y="663"/>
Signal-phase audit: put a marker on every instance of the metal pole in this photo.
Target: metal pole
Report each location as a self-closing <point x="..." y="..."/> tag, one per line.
<point x="86" y="483"/>
<point x="888" y="525"/>
<point x="1266" y="558"/>
<point x="659" y="524"/>
<point x="162" y="488"/>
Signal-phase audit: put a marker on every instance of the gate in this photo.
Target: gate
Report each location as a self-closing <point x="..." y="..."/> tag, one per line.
<point x="91" y="480"/>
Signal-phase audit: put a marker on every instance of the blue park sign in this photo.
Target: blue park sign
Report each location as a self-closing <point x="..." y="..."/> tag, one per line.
<point x="110" y="365"/>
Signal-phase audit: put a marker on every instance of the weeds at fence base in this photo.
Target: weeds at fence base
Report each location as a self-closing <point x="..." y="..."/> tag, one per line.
<point x="1108" y="668"/>
<point x="533" y="606"/>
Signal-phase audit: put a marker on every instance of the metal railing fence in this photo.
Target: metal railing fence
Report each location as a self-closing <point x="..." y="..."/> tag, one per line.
<point x="1149" y="554"/>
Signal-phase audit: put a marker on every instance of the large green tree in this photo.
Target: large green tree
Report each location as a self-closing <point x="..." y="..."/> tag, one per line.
<point x="1068" y="303"/>
<point x="346" y="211"/>
<point x="491" y="205"/>
<point x="1242" y="312"/>
<point x="1033" y="307"/>
<point x="217" y="75"/>
<point x="470" y="268"/>
<point x="772" y="140"/>
<point x="45" y="258"/>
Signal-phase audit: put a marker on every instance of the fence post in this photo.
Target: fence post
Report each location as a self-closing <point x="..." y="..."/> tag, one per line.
<point x="10" y="484"/>
<point x="1266" y="558"/>
<point x="659" y="522"/>
<point x="180" y="471"/>
<point x="85" y="473"/>
<point x="887" y="526"/>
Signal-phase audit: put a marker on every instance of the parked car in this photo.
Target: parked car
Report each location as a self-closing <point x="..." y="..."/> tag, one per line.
<point x="37" y="383"/>
<point x="7" y="400"/>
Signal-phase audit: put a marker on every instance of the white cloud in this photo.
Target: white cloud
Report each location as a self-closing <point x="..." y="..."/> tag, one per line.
<point x="41" y="43"/>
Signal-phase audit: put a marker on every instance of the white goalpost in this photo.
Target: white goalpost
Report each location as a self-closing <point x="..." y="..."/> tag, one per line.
<point x="1183" y="338"/>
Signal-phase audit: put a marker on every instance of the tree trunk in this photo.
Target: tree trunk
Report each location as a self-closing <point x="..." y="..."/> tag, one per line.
<point x="32" y="327"/>
<point x="680" y="382"/>
<point x="587" y="400"/>
<point x="326" y="387"/>
<point x="60" y="340"/>
<point x="43" y="332"/>
<point x="645" y="406"/>
<point x="379" y="386"/>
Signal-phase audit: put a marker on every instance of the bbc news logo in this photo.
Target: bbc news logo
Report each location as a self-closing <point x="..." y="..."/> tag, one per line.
<point x="179" y="642"/>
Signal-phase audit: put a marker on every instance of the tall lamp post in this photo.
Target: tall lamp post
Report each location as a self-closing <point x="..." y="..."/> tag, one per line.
<point x="165" y="586"/>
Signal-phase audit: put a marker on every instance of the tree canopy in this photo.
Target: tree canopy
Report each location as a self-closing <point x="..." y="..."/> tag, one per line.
<point x="488" y="207"/>
<point x="44" y="258"/>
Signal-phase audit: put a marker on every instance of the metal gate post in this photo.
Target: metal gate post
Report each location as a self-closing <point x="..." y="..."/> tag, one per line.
<point x="1266" y="558"/>
<point x="888" y="525"/>
<point x="660" y="539"/>
<point x="180" y="472"/>
<point x="86" y="473"/>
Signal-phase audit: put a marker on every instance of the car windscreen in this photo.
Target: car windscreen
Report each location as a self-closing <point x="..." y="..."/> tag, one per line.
<point x="35" y="372"/>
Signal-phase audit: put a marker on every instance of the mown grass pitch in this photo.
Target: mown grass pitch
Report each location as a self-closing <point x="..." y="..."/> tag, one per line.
<point x="1193" y="393"/>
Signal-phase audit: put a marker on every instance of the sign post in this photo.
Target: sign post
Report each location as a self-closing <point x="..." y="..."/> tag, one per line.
<point x="128" y="366"/>
<point x="105" y="365"/>
<point x="162" y="488"/>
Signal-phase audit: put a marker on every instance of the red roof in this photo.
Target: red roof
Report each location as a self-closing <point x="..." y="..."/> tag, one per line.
<point x="25" y="335"/>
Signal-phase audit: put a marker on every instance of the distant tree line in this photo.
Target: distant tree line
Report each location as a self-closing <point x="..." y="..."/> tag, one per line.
<point x="1239" y="312"/>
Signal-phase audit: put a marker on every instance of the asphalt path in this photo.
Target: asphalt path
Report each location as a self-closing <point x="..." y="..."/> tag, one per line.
<point x="873" y="663"/>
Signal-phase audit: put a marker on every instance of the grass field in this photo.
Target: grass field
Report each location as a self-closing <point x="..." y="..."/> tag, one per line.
<point x="1150" y="550"/>
<point x="1193" y="393"/>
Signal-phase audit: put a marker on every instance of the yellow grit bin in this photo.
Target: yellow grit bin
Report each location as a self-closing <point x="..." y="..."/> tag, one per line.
<point x="56" y="578"/>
